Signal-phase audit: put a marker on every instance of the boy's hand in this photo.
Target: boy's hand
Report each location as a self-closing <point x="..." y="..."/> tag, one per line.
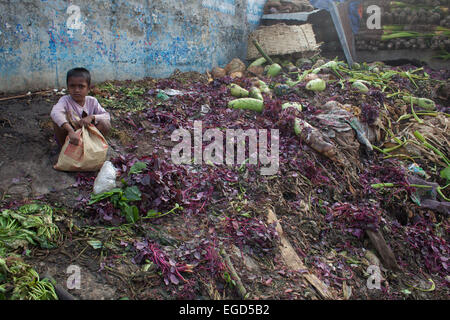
<point x="86" y="121"/>
<point x="74" y="138"/>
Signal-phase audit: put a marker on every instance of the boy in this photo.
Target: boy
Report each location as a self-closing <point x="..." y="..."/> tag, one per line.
<point x="78" y="109"/>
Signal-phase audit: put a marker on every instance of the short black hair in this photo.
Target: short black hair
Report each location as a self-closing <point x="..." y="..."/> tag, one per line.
<point x="79" y="72"/>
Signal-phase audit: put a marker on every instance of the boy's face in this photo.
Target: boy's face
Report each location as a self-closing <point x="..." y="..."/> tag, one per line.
<point x="78" y="88"/>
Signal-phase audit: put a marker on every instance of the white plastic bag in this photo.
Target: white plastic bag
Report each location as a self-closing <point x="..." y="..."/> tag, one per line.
<point x="106" y="178"/>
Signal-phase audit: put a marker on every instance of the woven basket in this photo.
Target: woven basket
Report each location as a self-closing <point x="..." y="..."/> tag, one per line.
<point x="281" y="39"/>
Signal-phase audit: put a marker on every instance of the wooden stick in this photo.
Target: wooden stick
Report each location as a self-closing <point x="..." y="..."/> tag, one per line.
<point x="258" y="47"/>
<point x="239" y="285"/>
<point x="383" y="249"/>
<point x="293" y="261"/>
<point x="60" y="291"/>
<point x="23" y="95"/>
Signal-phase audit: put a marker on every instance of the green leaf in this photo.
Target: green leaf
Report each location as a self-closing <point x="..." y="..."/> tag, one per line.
<point x="445" y="174"/>
<point x="116" y="199"/>
<point x="415" y="199"/>
<point x="406" y="291"/>
<point x="132" y="214"/>
<point x="96" y="244"/>
<point x="137" y="168"/>
<point x="98" y="197"/>
<point x="46" y="244"/>
<point x="147" y="266"/>
<point x="152" y="213"/>
<point x="29" y="208"/>
<point x="132" y="193"/>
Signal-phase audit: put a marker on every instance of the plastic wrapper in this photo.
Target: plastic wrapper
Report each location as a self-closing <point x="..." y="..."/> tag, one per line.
<point x="106" y="178"/>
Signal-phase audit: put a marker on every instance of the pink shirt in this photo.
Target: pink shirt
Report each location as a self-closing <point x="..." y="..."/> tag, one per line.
<point x="66" y="105"/>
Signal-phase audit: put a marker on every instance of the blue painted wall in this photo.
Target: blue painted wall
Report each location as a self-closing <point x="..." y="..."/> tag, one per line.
<point x="41" y="39"/>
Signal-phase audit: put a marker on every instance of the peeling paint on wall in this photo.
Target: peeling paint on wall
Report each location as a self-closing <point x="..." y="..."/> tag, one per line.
<point x="223" y="6"/>
<point x="255" y="10"/>
<point x="117" y="39"/>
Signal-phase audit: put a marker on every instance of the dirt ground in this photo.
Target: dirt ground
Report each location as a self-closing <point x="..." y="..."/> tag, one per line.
<point x="327" y="258"/>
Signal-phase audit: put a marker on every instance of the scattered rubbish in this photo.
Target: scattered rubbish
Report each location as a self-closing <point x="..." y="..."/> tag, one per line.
<point x="60" y="291"/>
<point x="281" y="89"/>
<point x="361" y="87"/>
<point x="95" y="244"/>
<point x="19" y="281"/>
<point x="316" y="85"/>
<point x="274" y="70"/>
<point x="423" y="103"/>
<point x="234" y="69"/>
<point x="355" y="124"/>
<point x="295" y="105"/>
<point x="415" y="169"/>
<point x="28" y="94"/>
<point x="347" y="291"/>
<point x="256" y="71"/>
<point x="334" y="117"/>
<point x="445" y="174"/>
<point x="247" y="103"/>
<point x="29" y="225"/>
<point x="218" y="73"/>
<point x="438" y="206"/>
<point x="106" y="178"/>
<point x="314" y="138"/>
<point x="386" y="253"/>
<point x="236" y="65"/>
<point x="239" y="285"/>
<point x="61" y="93"/>
<point x="88" y="155"/>
<point x="262" y="86"/>
<point x="238" y="92"/>
<point x="237" y="74"/>
<point x="205" y="109"/>
<point x="256" y="93"/>
<point x="173" y="92"/>
<point x="320" y="66"/>
<point x="333" y="198"/>
<point x="258" y="62"/>
<point x="162" y="96"/>
<point x="261" y="52"/>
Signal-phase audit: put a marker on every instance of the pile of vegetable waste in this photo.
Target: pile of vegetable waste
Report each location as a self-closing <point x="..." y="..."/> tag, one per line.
<point x="362" y="183"/>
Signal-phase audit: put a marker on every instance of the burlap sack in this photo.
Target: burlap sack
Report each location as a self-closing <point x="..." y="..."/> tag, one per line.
<point x="88" y="155"/>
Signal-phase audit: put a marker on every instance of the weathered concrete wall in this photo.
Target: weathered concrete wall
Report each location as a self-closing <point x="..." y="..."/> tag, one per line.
<point x="41" y="39"/>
